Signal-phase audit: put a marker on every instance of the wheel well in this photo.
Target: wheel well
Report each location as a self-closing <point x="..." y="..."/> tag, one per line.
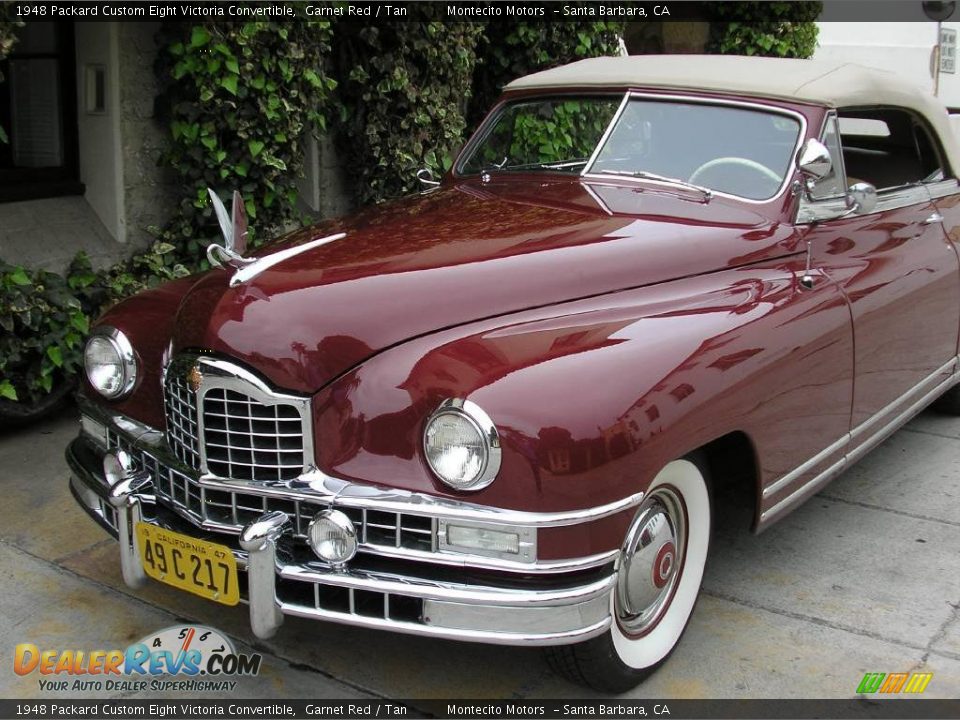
<point x="732" y="462"/>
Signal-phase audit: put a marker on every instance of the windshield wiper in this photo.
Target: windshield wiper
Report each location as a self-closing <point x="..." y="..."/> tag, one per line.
<point x="560" y="165"/>
<point x="564" y="164"/>
<point x="644" y="175"/>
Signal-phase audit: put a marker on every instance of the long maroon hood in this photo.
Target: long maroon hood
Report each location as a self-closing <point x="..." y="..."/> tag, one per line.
<point x="456" y="255"/>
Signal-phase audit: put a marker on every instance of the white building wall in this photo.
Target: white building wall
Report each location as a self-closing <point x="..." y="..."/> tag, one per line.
<point x="99" y="133"/>
<point x="902" y="47"/>
<point x="906" y="48"/>
<point x="950" y="82"/>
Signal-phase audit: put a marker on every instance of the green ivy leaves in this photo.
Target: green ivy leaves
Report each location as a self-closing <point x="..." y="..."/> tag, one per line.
<point x="242" y="99"/>
<point x="45" y="318"/>
<point x="787" y="29"/>
<point x="403" y="96"/>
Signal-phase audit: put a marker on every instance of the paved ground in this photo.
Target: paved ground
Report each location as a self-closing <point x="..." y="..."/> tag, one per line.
<point x="864" y="578"/>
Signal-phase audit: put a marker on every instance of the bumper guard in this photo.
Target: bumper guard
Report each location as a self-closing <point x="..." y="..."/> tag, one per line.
<point x="116" y="499"/>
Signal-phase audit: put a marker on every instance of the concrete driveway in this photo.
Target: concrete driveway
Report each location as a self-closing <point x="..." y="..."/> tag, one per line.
<point x="864" y="578"/>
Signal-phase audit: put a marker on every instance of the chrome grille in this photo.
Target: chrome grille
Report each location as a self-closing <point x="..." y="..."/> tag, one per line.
<point x="229" y="511"/>
<point x="183" y="431"/>
<point x="246" y="440"/>
<point x="331" y="599"/>
<point x="232" y="425"/>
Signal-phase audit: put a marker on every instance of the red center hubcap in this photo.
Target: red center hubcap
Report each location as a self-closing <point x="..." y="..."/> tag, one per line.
<point x="663" y="565"/>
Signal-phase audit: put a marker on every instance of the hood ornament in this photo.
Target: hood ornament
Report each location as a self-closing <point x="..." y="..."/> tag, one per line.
<point x="233" y="227"/>
<point x="234" y="230"/>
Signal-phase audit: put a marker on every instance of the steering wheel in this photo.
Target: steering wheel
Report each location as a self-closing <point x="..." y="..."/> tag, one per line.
<point x="739" y="162"/>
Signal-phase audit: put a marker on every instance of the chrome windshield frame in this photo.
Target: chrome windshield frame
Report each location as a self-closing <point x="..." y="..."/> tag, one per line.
<point x="588" y="174"/>
<point x="488" y="124"/>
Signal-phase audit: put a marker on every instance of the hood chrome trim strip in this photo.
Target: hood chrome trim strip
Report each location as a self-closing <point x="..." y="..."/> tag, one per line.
<point x="248" y="272"/>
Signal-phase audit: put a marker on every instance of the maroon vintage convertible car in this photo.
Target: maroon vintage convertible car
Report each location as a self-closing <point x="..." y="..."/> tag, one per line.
<point x="491" y="412"/>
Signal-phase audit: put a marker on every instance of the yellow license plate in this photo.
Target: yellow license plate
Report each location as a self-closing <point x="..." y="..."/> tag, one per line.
<point x="203" y="568"/>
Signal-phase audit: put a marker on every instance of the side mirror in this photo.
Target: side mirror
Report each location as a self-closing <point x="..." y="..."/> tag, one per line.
<point x="425" y="176"/>
<point x="861" y="198"/>
<point x="814" y="161"/>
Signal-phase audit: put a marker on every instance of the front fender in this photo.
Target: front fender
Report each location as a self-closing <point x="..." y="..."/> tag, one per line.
<point x="593" y="397"/>
<point x="147" y="319"/>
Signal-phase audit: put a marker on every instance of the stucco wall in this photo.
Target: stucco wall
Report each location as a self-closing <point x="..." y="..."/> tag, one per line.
<point x="147" y="198"/>
<point x="322" y="187"/>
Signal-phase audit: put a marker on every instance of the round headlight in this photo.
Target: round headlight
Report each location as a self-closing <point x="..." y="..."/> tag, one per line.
<point x="110" y="362"/>
<point x="462" y="446"/>
<point x="332" y="536"/>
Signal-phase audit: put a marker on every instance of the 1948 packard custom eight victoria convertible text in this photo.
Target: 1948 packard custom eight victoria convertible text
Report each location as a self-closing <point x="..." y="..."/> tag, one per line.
<point x="493" y="411"/>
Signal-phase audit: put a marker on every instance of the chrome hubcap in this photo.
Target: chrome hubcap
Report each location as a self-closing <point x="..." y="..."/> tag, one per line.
<point x="650" y="562"/>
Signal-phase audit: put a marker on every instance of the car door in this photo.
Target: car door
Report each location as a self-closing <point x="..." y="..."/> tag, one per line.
<point x="895" y="264"/>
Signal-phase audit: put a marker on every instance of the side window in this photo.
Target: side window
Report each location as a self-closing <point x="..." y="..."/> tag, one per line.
<point x="833" y="185"/>
<point x="888" y="148"/>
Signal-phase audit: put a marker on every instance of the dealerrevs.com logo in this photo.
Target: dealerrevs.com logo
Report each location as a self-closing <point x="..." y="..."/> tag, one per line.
<point x="202" y="657"/>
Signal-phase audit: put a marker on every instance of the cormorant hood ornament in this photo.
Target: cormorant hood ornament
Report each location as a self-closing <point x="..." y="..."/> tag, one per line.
<point x="233" y="227"/>
<point x="234" y="230"/>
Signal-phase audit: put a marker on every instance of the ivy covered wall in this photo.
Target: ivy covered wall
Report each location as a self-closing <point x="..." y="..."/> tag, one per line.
<point x="239" y="99"/>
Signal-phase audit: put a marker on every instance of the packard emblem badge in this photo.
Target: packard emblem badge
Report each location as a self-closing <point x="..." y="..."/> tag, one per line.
<point x="194" y="378"/>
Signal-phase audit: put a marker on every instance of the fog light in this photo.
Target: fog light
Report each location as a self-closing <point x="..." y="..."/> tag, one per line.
<point x="333" y="537"/>
<point x="476" y="538"/>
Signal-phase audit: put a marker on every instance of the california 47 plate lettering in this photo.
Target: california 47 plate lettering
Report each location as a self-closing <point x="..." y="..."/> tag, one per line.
<point x="197" y="566"/>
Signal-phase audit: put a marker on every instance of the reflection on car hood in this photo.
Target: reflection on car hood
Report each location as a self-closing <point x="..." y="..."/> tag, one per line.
<point x="458" y="254"/>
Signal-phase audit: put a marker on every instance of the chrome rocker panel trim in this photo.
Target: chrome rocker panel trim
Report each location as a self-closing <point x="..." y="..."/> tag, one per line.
<point x="887" y="421"/>
<point x="450" y="610"/>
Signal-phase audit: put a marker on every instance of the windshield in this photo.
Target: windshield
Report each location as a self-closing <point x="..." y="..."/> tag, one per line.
<point x="724" y="148"/>
<point x="557" y="134"/>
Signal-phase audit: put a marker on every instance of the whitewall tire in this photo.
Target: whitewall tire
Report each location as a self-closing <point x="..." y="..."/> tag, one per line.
<point x="658" y="581"/>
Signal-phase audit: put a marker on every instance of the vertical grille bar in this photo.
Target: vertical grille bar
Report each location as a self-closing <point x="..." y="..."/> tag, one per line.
<point x="182" y="425"/>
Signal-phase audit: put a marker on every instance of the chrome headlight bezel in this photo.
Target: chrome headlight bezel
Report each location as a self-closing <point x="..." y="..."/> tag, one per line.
<point x="469" y="412"/>
<point x="126" y="359"/>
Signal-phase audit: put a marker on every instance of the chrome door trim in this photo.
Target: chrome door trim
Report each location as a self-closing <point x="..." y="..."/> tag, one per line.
<point x="940" y="385"/>
<point x="834" y="208"/>
<point x="943" y="188"/>
<point x="849" y="437"/>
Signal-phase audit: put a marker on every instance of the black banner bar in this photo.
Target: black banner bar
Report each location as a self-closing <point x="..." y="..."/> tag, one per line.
<point x="199" y="709"/>
<point x="380" y="11"/>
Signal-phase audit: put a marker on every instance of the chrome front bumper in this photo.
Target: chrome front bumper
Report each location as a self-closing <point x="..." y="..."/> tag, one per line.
<point x="282" y="583"/>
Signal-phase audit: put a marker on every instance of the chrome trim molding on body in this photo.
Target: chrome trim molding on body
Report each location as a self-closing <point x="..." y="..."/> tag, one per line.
<point x="319" y="487"/>
<point x="892" y="416"/>
<point x="382" y="600"/>
<point x="809" y="212"/>
<point x="255" y="266"/>
<point x="315" y="490"/>
<point x="943" y="188"/>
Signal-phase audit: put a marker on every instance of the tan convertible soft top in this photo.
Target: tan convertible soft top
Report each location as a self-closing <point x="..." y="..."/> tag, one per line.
<point x="828" y="83"/>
